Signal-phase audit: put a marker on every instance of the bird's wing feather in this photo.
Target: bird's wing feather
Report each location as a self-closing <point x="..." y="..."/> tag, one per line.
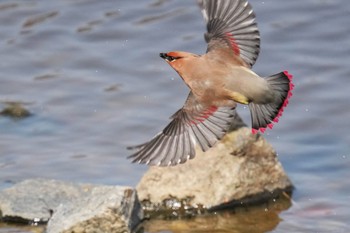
<point x="231" y="24"/>
<point x="192" y="124"/>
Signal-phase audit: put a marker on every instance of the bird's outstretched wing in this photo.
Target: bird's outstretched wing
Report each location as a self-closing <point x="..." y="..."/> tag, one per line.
<point x="192" y="124"/>
<point x="231" y="23"/>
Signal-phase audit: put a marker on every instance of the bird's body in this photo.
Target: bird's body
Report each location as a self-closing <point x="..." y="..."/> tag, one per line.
<point x="218" y="80"/>
<point x="213" y="78"/>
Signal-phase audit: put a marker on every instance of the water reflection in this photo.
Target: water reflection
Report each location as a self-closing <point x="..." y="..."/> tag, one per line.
<point x="262" y="218"/>
<point x="8" y="228"/>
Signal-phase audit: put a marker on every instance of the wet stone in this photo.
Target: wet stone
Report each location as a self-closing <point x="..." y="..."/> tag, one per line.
<point x="241" y="170"/>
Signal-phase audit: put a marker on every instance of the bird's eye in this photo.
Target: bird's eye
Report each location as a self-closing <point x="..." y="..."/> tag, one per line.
<point x="170" y="58"/>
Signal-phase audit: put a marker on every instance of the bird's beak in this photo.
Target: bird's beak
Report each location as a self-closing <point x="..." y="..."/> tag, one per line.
<point x="163" y="55"/>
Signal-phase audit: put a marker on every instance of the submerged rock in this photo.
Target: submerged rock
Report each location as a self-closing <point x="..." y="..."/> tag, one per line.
<point x="241" y="169"/>
<point x="71" y="207"/>
<point x="15" y="110"/>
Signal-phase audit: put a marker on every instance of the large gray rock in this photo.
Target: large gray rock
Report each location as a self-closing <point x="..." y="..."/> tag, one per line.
<point x="242" y="168"/>
<point x="72" y="207"/>
<point x="106" y="209"/>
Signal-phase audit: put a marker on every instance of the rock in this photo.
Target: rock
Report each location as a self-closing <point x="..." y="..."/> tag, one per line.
<point x="15" y="110"/>
<point x="35" y="199"/>
<point x="94" y="207"/>
<point x="106" y="209"/>
<point x="241" y="169"/>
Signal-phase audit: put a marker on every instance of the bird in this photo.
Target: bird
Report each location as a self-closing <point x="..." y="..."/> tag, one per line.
<point x="218" y="80"/>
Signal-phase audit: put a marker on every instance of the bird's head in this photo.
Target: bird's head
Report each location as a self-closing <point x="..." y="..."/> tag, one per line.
<point x="177" y="59"/>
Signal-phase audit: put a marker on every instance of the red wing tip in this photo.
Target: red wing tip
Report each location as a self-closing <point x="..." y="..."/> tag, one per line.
<point x="233" y="43"/>
<point x="204" y="115"/>
<point x="255" y="131"/>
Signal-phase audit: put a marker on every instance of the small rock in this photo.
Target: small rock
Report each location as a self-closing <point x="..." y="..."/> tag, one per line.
<point x="106" y="209"/>
<point x="34" y="200"/>
<point x="241" y="169"/>
<point x="15" y="110"/>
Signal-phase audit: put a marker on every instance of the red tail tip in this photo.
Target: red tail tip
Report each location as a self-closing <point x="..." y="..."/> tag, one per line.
<point x="262" y="130"/>
<point x="254" y="131"/>
<point x="285" y="103"/>
<point x="290" y="77"/>
<point x="291" y="85"/>
<point x="290" y="94"/>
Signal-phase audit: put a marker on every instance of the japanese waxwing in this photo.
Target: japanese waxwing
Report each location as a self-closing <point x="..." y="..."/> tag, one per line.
<point x="218" y="80"/>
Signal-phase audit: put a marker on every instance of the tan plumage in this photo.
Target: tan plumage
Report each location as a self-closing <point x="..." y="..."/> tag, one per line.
<point x="218" y="80"/>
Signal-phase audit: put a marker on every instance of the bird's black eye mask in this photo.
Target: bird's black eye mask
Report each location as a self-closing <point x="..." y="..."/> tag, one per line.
<point x="168" y="58"/>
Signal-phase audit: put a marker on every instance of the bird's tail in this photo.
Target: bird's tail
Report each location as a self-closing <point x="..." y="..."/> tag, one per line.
<point x="265" y="115"/>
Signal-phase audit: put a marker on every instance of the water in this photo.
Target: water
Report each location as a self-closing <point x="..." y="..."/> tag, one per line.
<point x="90" y="73"/>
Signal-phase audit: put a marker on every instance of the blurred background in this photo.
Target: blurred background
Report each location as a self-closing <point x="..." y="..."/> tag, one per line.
<point x="86" y="81"/>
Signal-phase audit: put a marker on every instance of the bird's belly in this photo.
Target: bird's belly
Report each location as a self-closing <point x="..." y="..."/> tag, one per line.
<point x="210" y="92"/>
